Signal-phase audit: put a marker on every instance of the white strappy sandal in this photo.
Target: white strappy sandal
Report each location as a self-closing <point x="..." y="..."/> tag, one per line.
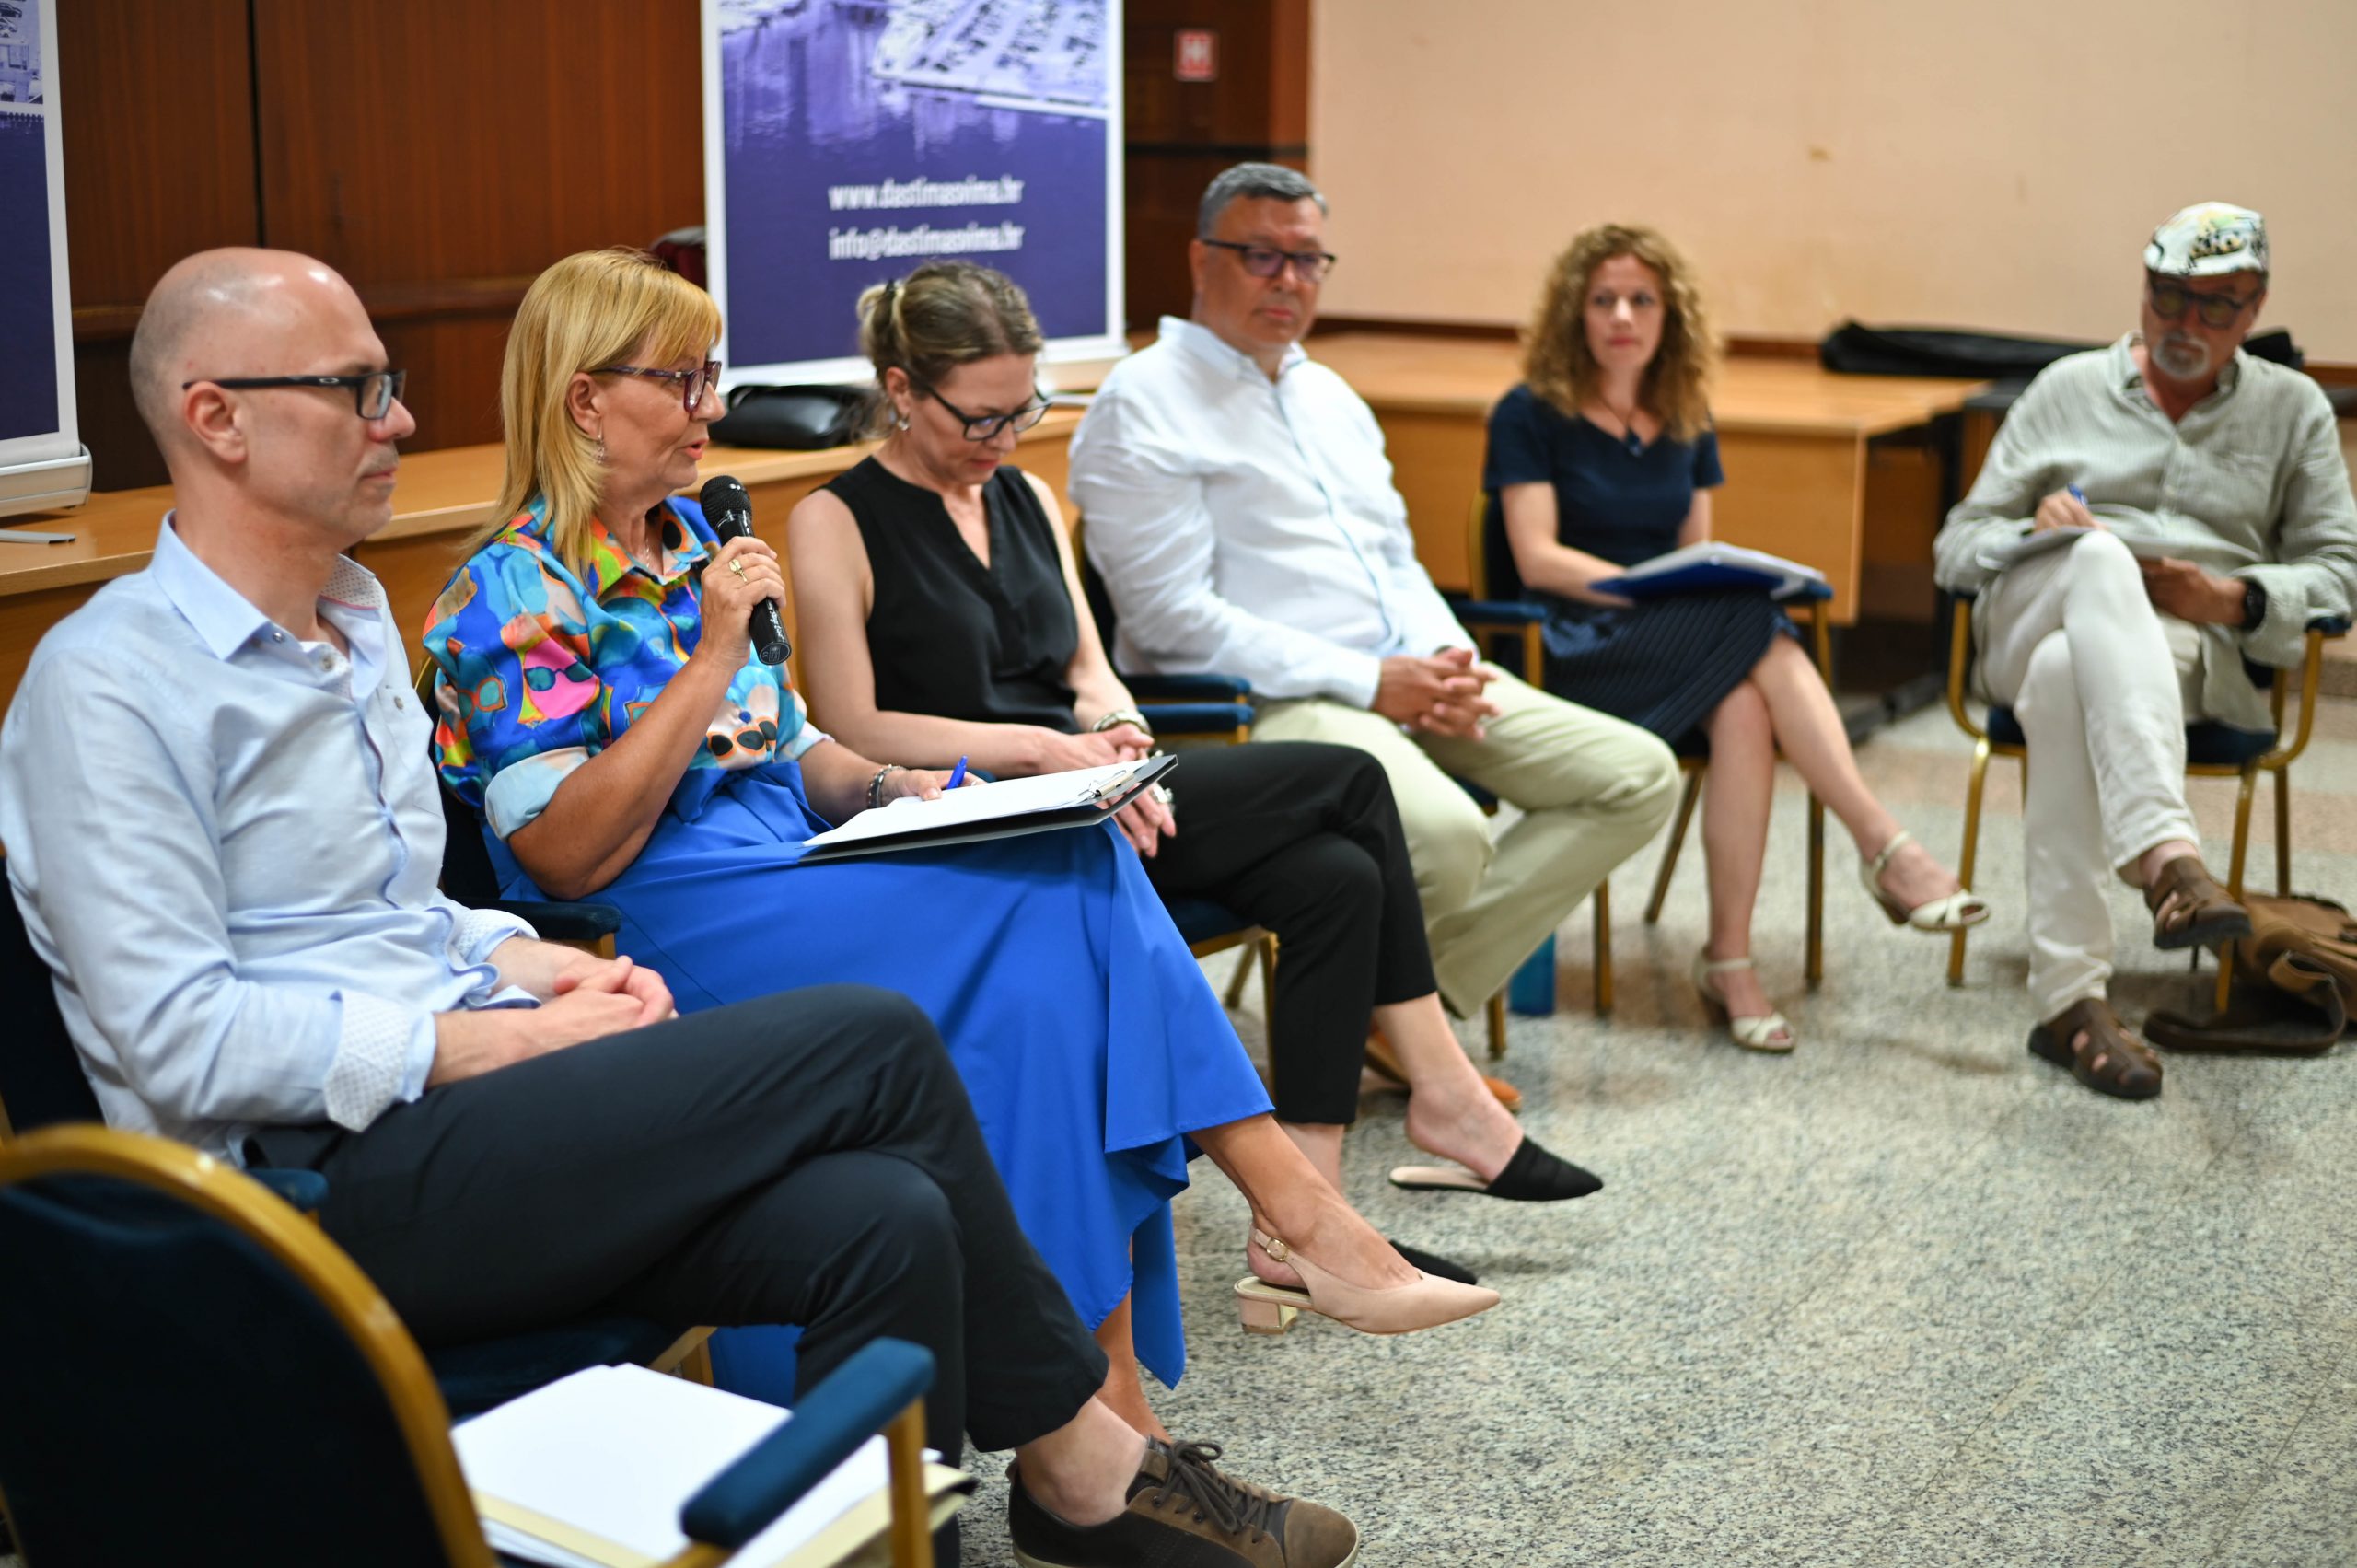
<point x="1765" y="1031"/>
<point x="1937" y="917"/>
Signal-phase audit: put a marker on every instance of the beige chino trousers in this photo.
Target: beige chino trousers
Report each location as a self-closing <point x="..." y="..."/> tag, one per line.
<point x="1592" y="789"/>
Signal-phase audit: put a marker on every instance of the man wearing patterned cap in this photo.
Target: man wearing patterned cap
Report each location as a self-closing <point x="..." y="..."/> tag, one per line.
<point x="2151" y="516"/>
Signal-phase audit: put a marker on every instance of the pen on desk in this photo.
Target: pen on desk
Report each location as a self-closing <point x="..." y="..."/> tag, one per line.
<point x="957" y="775"/>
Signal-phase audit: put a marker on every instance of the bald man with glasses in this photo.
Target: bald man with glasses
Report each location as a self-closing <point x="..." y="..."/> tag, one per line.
<point x="2151" y="516"/>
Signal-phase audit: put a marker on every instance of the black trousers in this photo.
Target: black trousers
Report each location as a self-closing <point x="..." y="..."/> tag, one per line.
<point x="1304" y="839"/>
<point x="807" y="1158"/>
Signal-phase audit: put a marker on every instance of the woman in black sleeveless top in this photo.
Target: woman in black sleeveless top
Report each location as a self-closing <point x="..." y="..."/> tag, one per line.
<point x="939" y="617"/>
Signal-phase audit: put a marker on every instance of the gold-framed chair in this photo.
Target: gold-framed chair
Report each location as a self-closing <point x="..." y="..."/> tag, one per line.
<point x="1489" y="615"/>
<point x="280" y="1411"/>
<point x="2213" y="751"/>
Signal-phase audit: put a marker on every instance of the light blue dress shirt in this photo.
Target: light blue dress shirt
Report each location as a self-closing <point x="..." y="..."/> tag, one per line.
<point x="225" y="844"/>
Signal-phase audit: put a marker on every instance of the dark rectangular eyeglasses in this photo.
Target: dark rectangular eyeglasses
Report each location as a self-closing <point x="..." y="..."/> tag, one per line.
<point x="983" y="426"/>
<point x="1267" y="261"/>
<point x="373" y="391"/>
<point x="691" y="382"/>
<point x="2216" y="311"/>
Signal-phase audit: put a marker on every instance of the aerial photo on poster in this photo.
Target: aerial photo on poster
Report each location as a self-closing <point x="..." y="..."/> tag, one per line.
<point x="862" y="137"/>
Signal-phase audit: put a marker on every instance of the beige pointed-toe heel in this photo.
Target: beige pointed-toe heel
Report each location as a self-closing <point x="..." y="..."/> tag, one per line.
<point x="1267" y="1308"/>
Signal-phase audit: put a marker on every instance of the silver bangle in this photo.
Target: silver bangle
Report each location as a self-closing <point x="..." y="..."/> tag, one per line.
<point x="876" y="785"/>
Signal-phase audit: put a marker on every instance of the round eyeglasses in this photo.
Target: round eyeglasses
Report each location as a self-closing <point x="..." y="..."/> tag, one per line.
<point x="691" y="382"/>
<point x="374" y="392"/>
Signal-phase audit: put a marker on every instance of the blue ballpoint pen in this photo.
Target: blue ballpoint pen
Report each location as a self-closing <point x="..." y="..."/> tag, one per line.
<point x="2076" y="493"/>
<point x="957" y="775"/>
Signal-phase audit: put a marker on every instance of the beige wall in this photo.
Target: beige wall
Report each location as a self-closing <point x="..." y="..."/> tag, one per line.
<point x="1993" y="165"/>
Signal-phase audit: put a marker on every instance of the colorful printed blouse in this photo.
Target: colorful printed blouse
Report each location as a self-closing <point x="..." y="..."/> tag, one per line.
<point x="539" y="669"/>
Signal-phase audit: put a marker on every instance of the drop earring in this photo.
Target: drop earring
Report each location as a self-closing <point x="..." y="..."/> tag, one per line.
<point x="601" y="450"/>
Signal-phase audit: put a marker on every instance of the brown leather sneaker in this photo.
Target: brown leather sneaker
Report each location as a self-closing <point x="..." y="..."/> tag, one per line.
<point x="1184" y="1514"/>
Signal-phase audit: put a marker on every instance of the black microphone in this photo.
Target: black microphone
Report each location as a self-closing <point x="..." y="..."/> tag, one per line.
<point x="730" y="512"/>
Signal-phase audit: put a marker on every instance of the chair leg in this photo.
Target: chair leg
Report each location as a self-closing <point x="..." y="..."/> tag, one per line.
<point x="1497" y="1016"/>
<point x="1234" y="997"/>
<point x="1677" y="838"/>
<point x="1815" y="967"/>
<point x="2241" y="831"/>
<point x="1602" y="901"/>
<point x="1971" y="848"/>
<point x="1268" y="946"/>
<point x="2225" y="974"/>
<point x="2284" y="833"/>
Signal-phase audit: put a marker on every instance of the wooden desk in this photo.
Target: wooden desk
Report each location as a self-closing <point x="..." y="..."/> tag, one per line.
<point x="1809" y="474"/>
<point x="439" y="499"/>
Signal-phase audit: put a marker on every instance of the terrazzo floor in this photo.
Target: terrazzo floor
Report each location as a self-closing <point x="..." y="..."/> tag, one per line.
<point x="1906" y="1298"/>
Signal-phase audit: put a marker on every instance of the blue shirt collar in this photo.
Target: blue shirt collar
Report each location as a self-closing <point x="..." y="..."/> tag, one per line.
<point x="225" y="621"/>
<point x="1193" y="338"/>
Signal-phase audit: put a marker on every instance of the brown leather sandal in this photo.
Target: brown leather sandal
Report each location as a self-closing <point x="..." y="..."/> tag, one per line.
<point x="2190" y="909"/>
<point x="2110" y="1061"/>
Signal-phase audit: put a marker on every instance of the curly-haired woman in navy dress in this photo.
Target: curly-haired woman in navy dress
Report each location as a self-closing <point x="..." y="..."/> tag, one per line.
<point x="1604" y="457"/>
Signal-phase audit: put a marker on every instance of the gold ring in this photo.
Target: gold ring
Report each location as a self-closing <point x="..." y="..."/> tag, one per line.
<point x="738" y="568"/>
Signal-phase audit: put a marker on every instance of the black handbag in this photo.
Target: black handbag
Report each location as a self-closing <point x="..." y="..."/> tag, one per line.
<point x="802" y="418"/>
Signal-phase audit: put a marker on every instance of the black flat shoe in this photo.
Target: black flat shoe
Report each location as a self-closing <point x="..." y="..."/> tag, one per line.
<point x="1532" y="1176"/>
<point x="1433" y="1263"/>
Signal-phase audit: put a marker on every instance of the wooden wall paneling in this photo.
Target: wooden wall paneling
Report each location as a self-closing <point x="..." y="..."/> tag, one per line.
<point x="159" y="139"/>
<point x="158" y="132"/>
<point x="453" y="388"/>
<point x="1179" y="134"/>
<point x="441" y="153"/>
<point x="448" y="139"/>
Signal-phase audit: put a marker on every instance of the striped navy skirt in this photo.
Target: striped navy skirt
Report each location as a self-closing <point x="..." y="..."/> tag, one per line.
<point x="1663" y="664"/>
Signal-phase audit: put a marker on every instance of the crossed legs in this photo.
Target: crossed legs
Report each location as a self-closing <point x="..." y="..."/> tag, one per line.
<point x="1783" y="704"/>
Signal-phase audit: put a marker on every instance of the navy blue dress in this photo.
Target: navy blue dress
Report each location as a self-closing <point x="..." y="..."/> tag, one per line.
<point x="1664" y="664"/>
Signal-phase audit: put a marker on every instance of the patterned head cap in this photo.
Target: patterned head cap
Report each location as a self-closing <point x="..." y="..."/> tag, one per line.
<point x="2208" y="238"/>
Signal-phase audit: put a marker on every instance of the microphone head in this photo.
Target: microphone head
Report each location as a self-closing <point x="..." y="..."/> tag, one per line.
<point x="722" y="497"/>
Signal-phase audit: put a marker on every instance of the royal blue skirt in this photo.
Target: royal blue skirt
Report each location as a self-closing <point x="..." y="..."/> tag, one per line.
<point x="1085" y="1034"/>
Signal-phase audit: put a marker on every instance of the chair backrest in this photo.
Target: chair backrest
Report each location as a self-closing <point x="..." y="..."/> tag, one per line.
<point x="40" y="1072"/>
<point x="468" y="875"/>
<point x="1489" y="559"/>
<point x="191" y="1368"/>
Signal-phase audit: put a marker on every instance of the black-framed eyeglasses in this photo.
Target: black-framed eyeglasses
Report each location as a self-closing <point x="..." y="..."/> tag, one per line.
<point x="2169" y="300"/>
<point x="374" y="392"/>
<point x="1267" y="261"/>
<point x="983" y="426"/>
<point x="691" y="382"/>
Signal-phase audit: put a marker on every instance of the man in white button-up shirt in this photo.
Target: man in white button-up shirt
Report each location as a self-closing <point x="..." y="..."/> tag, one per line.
<point x="1241" y="510"/>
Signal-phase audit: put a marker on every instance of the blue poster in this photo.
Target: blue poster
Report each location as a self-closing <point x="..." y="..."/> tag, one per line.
<point x="854" y="139"/>
<point x="27" y="352"/>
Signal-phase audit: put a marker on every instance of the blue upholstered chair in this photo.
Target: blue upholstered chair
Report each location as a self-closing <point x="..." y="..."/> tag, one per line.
<point x="1193" y="710"/>
<point x="2213" y="751"/>
<point x="192" y="1370"/>
<point x="41" y="1086"/>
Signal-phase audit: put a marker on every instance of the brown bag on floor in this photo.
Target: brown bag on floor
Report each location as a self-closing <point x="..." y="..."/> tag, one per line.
<point x="2296" y="983"/>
